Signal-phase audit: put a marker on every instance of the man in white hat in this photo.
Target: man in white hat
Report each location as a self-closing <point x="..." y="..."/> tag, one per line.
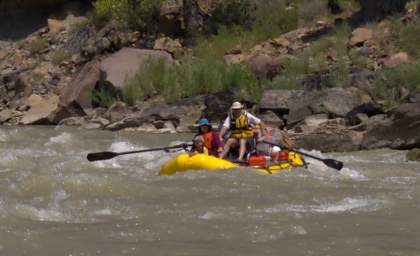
<point x="239" y="123"/>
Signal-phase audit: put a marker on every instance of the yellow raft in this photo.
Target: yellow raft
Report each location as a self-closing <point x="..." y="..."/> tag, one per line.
<point x="185" y="162"/>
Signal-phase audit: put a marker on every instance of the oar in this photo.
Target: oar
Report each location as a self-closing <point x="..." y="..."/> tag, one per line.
<point x="328" y="162"/>
<point x="109" y="154"/>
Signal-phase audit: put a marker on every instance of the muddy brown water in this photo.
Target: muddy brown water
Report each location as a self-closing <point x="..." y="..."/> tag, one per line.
<point x="54" y="202"/>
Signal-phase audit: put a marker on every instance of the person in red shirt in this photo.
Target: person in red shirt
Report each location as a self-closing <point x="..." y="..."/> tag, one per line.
<point x="211" y="138"/>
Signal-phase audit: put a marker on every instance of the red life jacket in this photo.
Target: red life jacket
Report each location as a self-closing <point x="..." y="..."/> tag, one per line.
<point x="208" y="140"/>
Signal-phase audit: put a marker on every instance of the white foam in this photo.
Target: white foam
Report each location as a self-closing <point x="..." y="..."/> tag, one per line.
<point x="3" y="136"/>
<point x="63" y="138"/>
<point x="353" y="174"/>
<point x="104" y="212"/>
<point x="299" y="230"/>
<point x="211" y="216"/>
<point x="347" y="204"/>
<point x="33" y="213"/>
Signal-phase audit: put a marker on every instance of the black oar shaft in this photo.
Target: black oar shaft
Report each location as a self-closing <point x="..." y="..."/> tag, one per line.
<point x="329" y="162"/>
<point x="108" y="155"/>
<point x="151" y="150"/>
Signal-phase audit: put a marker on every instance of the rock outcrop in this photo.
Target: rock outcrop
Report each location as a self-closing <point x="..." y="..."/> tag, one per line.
<point x="336" y="102"/>
<point x="398" y="130"/>
<point x="124" y="64"/>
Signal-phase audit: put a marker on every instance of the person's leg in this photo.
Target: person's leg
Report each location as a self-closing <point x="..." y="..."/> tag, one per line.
<point x="242" y="149"/>
<point x="227" y="146"/>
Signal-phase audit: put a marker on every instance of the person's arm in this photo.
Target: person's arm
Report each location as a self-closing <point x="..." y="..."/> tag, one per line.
<point x="262" y="131"/>
<point x="217" y="142"/>
<point x="255" y="120"/>
<point x="225" y="128"/>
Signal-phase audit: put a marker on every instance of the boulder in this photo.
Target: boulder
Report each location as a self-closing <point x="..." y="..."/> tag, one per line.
<point x="234" y="58"/>
<point x="339" y="101"/>
<point x="396" y="60"/>
<point x="124" y="64"/>
<point x="328" y="140"/>
<point x="55" y="26"/>
<point x="7" y="114"/>
<point x="270" y="119"/>
<point x="117" y="111"/>
<point x="311" y="123"/>
<point x="217" y="105"/>
<point x="414" y="155"/>
<point x="399" y="129"/>
<point x="336" y="102"/>
<point x="264" y="66"/>
<point x="170" y="45"/>
<point x="179" y="117"/>
<point x="76" y="97"/>
<point x="360" y="36"/>
<point x="42" y="110"/>
<point x="73" y="121"/>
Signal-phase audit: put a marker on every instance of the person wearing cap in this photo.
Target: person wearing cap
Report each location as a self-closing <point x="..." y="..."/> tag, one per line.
<point x="198" y="146"/>
<point x="239" y="122"/>
<point x="211" y="138"/>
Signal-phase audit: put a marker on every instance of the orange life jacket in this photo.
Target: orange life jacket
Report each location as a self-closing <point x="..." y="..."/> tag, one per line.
<point x="208" y="140"/>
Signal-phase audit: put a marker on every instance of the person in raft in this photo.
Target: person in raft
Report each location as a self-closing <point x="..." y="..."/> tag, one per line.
<point x="240" y="122"/>
<point x="211" y="138"/>
<point x="198" y="146"/>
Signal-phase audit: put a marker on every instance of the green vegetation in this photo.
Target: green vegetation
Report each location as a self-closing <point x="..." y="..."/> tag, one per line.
<point x="394" y="83"/>
<point x="59" y="56"/>
<point x="414" y="155"/>
<point x="139" y="14"/>
<point x="175" y="82"/>
<point x="271" y="18"/>
<point x="339" y="75"/>
<point x="38" y="45"/>
<point x="240" y="25"/>
<point x="314" y="60"/>
<point x="311" y="9"/>
<point x="103" y="98"/>
<point x="408" y="35"/>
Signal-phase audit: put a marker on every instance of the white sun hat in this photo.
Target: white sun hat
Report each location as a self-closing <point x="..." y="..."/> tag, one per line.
<point x="236" y="105"/>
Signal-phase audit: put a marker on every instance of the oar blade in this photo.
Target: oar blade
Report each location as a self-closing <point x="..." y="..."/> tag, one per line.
<point x="91" y="157"/>
<point x="334" y="164"/>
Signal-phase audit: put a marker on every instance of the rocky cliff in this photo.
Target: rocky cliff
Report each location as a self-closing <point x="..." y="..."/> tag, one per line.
<point x="57" y="75"/>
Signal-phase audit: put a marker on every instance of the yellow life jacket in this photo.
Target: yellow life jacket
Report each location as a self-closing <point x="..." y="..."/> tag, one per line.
<point x="240" y="127"/>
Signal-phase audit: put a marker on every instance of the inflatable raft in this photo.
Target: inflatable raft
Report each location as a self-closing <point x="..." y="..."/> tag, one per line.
<point x="185" y="162"/>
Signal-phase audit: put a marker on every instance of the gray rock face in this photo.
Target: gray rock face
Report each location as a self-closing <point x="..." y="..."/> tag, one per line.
<point x="331" y="140"/>
<point x="400" y="130"/>
<point x="336" y="102"/>
<point x="41" y="110"/>
<point x="164" y="117"/>
<point x="271" y="119"/>
<point x="76" y="97"/>
<point x="124" y="64"/>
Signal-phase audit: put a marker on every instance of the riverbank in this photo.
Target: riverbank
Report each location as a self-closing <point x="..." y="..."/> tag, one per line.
<point x="332" y="86"/>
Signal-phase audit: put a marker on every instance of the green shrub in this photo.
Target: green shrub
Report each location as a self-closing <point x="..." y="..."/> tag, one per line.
<point x="339" y="75"/>
<point x="271" y="18"/>
<point x="103" y="98"/>
<point x="309" y="10"/>
<point x="38" y="45"/>
<point x="187" y="79"/>
<point x="286" y="82"/>
<point x="59" y="56"/>
<point x="231" y="13"/>
<point x="130" y="13"/>
<point x="409" y="34"/>
<point x="390" y="85"/>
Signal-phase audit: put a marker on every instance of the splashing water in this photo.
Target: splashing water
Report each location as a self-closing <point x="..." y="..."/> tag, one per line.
<point x="54" y="202"/>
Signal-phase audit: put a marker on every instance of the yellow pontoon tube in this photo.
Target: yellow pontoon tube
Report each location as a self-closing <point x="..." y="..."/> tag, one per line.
<point x="185" y="162"/>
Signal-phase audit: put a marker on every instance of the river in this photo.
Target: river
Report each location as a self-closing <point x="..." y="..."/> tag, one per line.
<point x="54" y="202"/>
